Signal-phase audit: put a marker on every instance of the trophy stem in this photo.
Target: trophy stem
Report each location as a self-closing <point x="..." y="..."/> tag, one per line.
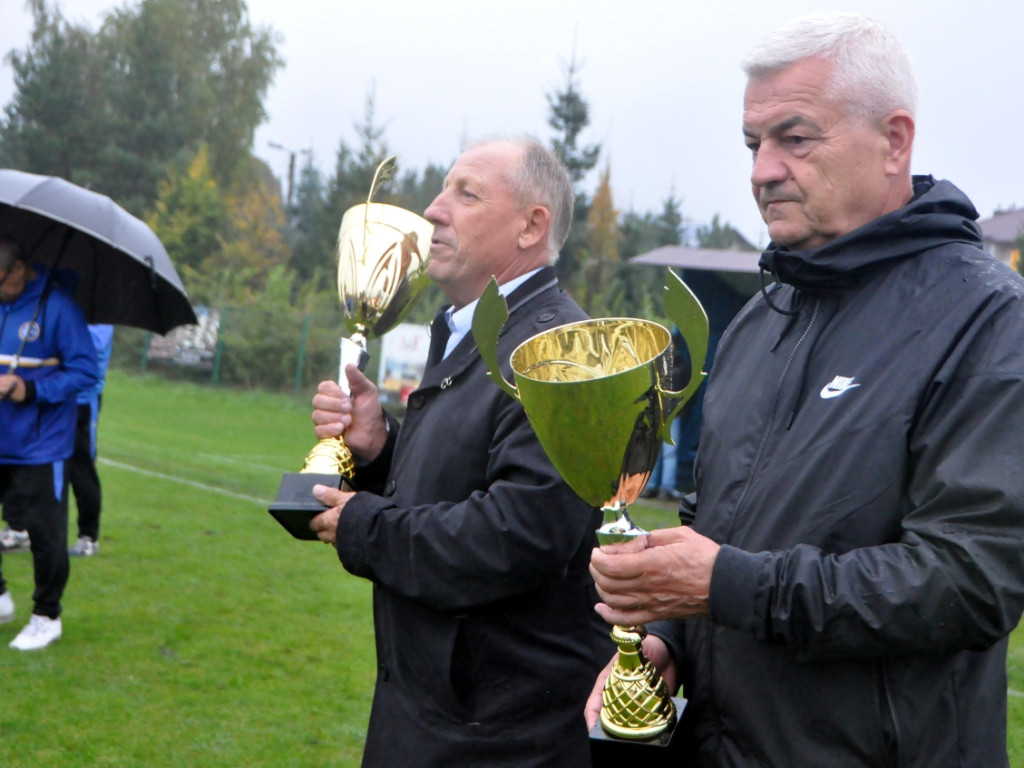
<point x="351" y="351"/>
<point x="636" y="702"/>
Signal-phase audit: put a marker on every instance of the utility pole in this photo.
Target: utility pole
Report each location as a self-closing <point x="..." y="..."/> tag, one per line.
<point x="291" y="167"/>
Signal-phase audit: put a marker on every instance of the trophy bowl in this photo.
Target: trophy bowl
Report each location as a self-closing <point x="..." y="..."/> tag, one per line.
<point x="598" y="396"/>
<point x="383" y="251"/>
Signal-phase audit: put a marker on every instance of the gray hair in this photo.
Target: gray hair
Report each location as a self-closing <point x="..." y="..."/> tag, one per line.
<point x="873" y="74"/>
<point x="10" y="252"/>
<point x="542" y="179"/>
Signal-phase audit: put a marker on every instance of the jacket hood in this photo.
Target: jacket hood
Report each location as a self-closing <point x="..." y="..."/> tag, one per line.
<point x="939" y="213"/>
<point x="64" y="278"/>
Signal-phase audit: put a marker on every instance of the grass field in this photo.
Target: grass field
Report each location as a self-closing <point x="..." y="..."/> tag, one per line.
<point x="203" y="634"/>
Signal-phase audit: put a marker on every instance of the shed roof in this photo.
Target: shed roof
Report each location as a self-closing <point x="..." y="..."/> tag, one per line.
<point x="1003" y="226"/>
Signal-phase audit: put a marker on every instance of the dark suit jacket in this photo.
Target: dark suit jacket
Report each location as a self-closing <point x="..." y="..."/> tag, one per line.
<point x="487" y="641"/>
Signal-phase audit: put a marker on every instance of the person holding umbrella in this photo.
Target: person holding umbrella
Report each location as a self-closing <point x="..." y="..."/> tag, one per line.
<point x="47" y="358"/>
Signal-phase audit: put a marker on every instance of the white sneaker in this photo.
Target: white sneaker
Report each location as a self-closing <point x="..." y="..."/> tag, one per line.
<point x="14" y="541"/>
<point x="6" y="608"/>
<point x="84" y="547"/>
<point x="38" y="633"/>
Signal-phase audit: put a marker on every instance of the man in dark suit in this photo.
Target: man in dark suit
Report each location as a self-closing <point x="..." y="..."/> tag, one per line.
<point x="477" y="549"/>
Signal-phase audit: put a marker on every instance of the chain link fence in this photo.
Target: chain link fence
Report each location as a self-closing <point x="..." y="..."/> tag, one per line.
<point x="278" y="350"/>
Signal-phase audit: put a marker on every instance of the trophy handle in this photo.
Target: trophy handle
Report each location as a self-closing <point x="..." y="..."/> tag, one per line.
<point x="685" y="310"/>
<point x="489" y="318"/>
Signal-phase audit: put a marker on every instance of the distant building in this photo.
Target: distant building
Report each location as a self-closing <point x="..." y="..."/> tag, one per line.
<point x="1000" y="233"/>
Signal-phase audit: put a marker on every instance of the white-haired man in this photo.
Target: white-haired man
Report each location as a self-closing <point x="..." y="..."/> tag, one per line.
<point x="842" y="589"/>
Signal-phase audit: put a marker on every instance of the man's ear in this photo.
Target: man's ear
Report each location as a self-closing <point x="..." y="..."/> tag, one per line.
<point x="536" y="224"/>
<point x="898" y="129"/>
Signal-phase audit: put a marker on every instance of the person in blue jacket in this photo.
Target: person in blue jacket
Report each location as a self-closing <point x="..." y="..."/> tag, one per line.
<point x="85" y="481"/>
<point x="47" y="358"/>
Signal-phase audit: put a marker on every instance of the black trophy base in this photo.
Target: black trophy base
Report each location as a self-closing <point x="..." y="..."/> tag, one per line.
<point x="296" y="505"/>
<point x="608" y="751"/>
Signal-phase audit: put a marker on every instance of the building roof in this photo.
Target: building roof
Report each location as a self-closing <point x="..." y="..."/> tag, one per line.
<point x="1003" y="226"/>
<point x="737" y="269"/>
<point x="709" y="259"/>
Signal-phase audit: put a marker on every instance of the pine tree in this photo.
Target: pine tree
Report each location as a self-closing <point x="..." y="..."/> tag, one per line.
<point x="569" y="116"/>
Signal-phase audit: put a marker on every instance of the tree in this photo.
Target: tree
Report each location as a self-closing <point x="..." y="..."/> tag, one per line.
<point x="719" y="234"/>
<point x="569" y="116"/>
<point x="183" y="72"/>
<point x="52" y="126"/>
<point x="602" y="247"/>
<point x="306" y="227"/>
<point x="669" y="223"/>
<point x="189" y="217"/>
<point x="321" y="206"/>
<point x="254" y="244"/>
<point x="116" y="109"/>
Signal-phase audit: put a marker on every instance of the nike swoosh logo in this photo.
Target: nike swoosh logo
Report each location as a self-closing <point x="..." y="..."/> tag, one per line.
<point x="838" y="386"/>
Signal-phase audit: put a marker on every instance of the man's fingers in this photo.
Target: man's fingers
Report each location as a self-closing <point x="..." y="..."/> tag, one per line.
<point x="592" y="710"/>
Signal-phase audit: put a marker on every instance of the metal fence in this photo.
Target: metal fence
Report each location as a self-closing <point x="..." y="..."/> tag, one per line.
<point x="247" y="347"/>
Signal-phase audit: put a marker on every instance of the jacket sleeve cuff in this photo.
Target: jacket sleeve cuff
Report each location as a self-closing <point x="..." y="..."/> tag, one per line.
<point x="671" y="634"/>
<point x="30" y="391"/>
<point x="352" y="533"/>
<point x="372" y="475"/>
<point x="735" y="582"/>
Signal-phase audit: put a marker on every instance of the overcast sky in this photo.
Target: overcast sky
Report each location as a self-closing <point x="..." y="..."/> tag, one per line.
<point x="661" y="77"/>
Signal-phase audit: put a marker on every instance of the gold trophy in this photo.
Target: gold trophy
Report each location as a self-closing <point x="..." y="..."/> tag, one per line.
<point x="597" y="395"/>
<point x="383" y="252"/>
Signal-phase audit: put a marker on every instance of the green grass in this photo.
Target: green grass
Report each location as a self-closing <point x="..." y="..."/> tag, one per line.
<point x="203" y="634"/>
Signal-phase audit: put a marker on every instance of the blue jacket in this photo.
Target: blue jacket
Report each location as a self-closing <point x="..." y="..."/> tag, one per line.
<point x="58" y="361"/>
<point x="103" y="341"/>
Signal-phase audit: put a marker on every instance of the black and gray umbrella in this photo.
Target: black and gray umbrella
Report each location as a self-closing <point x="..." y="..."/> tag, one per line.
<point x="125" y="276"/>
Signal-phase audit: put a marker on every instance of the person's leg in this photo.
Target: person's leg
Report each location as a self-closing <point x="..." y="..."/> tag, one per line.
<point x="44" y="489"/>
<point x="654" y="480"/>
<point x="5" y="481"/>
<point x="85" y="481"/>
<point x="13" y="515"/>
<point x="688" y="424"/>
<point x="668" y="469"/>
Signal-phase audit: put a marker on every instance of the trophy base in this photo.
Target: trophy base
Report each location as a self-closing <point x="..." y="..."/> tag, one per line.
<point x="296" y="505"/>
<point x="608" y="751"/>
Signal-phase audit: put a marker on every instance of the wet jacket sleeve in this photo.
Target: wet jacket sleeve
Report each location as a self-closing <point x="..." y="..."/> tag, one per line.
<point x="954" y="580"/>
<point x="515" y="536"/>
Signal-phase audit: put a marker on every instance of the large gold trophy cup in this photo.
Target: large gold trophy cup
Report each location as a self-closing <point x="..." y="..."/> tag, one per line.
<point x="383" y="252"/>
<point x="597" y="394"/>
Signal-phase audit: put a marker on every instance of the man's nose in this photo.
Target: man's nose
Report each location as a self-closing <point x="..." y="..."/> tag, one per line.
<point x="436" y="212"/>
<point x="768" y="166"/>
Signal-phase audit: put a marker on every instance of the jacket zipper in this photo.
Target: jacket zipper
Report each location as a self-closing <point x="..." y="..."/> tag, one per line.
<point x="891" y="711"/>
<point x="771" y="419"/>
<point x="746" y="486"/>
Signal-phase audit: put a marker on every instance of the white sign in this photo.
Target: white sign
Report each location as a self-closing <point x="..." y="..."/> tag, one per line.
<point x="403" y="355"/>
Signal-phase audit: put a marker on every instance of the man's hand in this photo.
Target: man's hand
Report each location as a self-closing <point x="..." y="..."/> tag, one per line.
<point x="12" y="387"/>
<point x="657" y="652"/>
<point x="325" y="525"/>
<point x="359" y="416"/>
<point x="671" y="579"/>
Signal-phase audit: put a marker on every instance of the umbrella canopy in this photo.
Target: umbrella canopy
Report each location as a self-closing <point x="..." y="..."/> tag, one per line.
<point x="125" y="276"/>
